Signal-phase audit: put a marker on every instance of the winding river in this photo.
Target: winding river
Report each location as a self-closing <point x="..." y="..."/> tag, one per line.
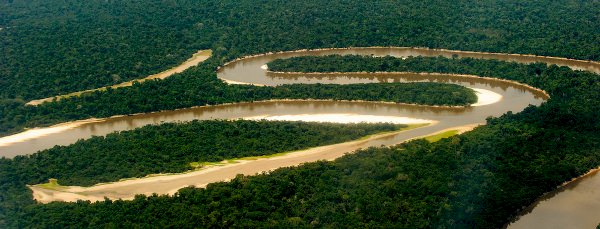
<point x="514" y="97"/>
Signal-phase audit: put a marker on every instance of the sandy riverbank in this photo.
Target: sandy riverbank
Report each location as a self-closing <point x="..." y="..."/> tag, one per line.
<point x="485" y="97"/>
<point x="170" y="183"/>
<point x="341" y="118"/>
<point x="43" y="131"/>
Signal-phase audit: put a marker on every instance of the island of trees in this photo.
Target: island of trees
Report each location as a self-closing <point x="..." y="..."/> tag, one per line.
<point x="208" y="90"/>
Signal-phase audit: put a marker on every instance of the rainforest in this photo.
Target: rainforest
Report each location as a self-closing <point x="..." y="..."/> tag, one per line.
<point x="303" y="114"/>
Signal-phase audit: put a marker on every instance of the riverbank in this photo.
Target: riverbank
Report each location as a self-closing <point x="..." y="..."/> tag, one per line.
<point x="226" y="170"/>
<point x="43" y="131"/>
<point x="575" y="204"/>
<point x="342" y="118"/>
<point x="126" y="189"/>
<point x="35" y="134"/>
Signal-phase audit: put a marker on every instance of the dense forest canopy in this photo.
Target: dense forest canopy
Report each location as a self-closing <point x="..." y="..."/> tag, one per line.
<point x="172" y="147"/>
<point x="54" y="47"/>
<point x="476" y="180"/>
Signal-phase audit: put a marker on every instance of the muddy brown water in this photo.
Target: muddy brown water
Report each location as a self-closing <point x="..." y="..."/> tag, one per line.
<point x="574" y="205"/>
<point x="248" y="70"/>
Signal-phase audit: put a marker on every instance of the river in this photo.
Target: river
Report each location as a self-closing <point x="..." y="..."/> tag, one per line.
<point x="514" y="98"/>
<point x="250" y="70"/>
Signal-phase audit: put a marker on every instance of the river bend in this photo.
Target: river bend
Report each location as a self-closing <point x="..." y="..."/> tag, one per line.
<point x="251" y="70"/>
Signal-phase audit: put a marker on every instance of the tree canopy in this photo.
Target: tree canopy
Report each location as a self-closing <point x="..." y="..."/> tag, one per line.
<point x="480" y="179"/>
<point x="55" y="47"/>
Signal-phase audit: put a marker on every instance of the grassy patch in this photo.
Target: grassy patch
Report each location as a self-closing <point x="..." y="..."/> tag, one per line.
<point x="197" y="165"/>
<point x="408" y="127"/>
<point x="440" y="136"/>
<point x="200" y="165"/>
<point x="51" y="185"/>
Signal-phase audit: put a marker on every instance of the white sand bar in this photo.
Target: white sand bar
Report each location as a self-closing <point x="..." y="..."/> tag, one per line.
<point x="169" y="184"/>
<point x="40" y="132"/>
<point x="486" y="97"/>
<point x="341" y="118"/>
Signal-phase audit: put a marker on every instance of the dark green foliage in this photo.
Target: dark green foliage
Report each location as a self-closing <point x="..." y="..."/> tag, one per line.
<point x="171" y="147"/>
<point x="476" y="180"/>
<point x="56" y="47"/>
<point x="363" y="190"/>
<point x="163" y="148"/>
<point x="358" y="63"/>
<point x="200" y="87"/>
<point x="52" y="47"/>
<point x="417" y="93"/>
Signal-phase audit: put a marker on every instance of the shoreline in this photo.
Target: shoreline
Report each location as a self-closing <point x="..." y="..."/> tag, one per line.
<point x="346" y="118"/>
<point x="460" y="129"/>
<point x="525" y="210"/>
<point x="242" y="162"/>
<point x="32" y="133"/>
